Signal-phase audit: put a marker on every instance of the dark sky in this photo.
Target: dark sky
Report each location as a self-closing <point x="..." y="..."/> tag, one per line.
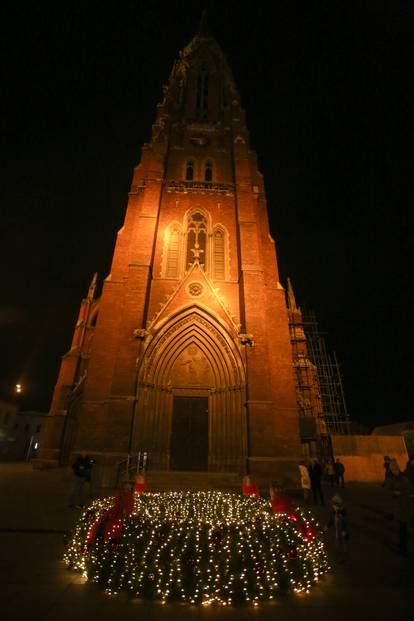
<point x="328" y="90"/>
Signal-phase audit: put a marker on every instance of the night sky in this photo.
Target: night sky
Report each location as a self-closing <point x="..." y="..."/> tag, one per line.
<point x="328" y="91"/>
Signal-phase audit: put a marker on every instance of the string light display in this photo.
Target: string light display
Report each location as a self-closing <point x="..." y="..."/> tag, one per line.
<point x="198" y="547"/>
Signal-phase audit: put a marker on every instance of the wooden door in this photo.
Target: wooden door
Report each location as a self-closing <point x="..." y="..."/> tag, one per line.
<point x="189" y="434"/>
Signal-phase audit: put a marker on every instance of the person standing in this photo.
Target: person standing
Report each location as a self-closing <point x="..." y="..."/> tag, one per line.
<point x="409" y="473"/>
<point x="315" y="474"/>
<point x="82" y="469"/>
<point x="339" y="473"/>
<point x="339" y="520"/>
<point x="330" y="472"/>
<point x="387" y="472"/>
<point x="305" y="481"/>
<point x="402" y="513"/>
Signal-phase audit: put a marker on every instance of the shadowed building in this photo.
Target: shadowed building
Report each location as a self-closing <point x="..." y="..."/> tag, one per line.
<point x="187" y="353"/>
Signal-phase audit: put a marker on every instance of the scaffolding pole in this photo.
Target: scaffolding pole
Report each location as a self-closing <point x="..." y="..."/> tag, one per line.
<point x="329" y="376"/>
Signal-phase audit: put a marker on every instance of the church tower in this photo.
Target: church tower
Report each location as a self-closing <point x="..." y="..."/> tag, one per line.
<point x="186" y="354"/>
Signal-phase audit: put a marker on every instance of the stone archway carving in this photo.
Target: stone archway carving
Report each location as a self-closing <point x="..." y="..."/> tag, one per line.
<point x="192" y="354"/>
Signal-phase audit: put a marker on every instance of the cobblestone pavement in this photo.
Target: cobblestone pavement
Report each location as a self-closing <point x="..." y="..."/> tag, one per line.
<point x="36" y="586"/>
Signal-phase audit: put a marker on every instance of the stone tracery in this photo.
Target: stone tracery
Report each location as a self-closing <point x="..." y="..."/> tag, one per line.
<point x="197" y="240"/>
<point x="193" y="355"/>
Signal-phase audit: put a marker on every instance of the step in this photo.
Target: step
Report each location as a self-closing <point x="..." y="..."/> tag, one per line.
<point x="178" y="480"/>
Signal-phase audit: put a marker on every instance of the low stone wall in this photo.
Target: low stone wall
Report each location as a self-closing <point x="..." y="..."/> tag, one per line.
<point x="363" y="456"/>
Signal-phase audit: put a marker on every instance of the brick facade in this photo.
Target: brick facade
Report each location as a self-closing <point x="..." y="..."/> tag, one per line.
<point x="165" y="325"/>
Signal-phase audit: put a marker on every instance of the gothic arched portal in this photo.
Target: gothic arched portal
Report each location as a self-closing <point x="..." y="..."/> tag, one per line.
<point x="192" y="356"/>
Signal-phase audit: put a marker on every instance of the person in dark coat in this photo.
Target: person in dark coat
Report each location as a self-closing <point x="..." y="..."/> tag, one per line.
<point x="402" y="504"/>
<point x="315" y="474"/>
<point x="82" y="469"/>
<point x="339" y="473"/>
<point x="330" y="472"/>
<point x="387" y="472"/>
<point x="409" y="473"/>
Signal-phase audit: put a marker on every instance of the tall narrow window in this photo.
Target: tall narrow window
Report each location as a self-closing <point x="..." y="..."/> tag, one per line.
<point x="189" y="170"/>
<point x="202" y="94"/>
<point x="208" y="171"/>
<point x="219" y="255"/>
<point x="173" y="254"/>
<point x="196" y="238"/>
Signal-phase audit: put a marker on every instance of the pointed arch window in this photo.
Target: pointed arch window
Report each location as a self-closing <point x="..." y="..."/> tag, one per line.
<point x="189" y="170"/>
<point x="208" y="171"/>
<point x="219" y="254"/>
<point x="173" y="254"/>
<point x="196" y="238"/>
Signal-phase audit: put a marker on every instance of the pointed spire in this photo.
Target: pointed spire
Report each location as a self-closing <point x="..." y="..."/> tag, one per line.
<point x="291" y="297"/>
<point x="92" y="287"/>
<point x="203" y="29"/>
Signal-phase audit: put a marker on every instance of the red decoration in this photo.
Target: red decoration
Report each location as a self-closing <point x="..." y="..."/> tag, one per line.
<point x="259" y="567"/>
<point x="306" y="530"/>
<point x="281" y="503"/>
<point x="113" y="545"/>
<point x="292" y="553"/>
<point x="140" y="487"/>
<point x="250" y="490"/>
<point x="89" y="514"/>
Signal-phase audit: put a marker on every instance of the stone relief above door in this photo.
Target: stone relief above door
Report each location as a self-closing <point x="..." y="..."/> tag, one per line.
<point x="192" y="368"/>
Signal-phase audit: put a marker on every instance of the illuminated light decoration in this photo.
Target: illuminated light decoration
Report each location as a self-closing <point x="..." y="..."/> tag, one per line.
<point x="201" y="548"/>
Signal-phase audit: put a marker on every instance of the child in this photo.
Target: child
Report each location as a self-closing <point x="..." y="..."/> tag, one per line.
<point x="339" y="520"/>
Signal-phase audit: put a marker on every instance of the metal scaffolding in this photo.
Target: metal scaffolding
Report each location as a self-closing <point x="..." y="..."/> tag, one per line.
<point x="335" y="415"/>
